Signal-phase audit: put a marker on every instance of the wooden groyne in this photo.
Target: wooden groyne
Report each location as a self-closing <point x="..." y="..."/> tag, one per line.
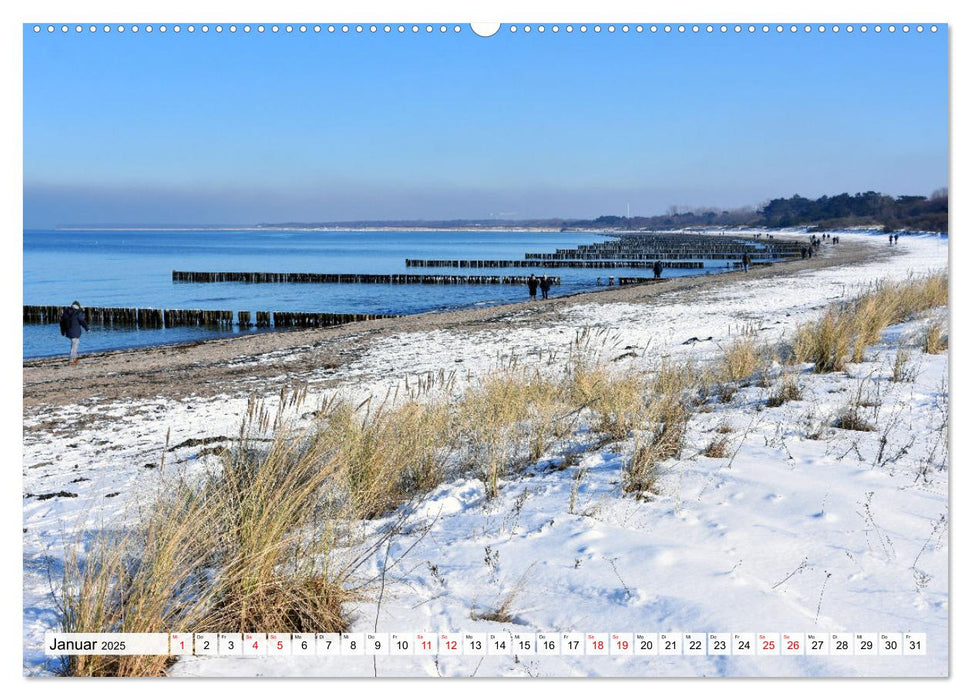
<point x="640" y="280"/>
<point x="534" y="262"/>
<point x="133" y="318"/>
<point x="181" y="318"/>
<point x="321" y="278"/>
<point x="674" y="246"/>
<point x="129" y="317"/>
<point x="298" y="319"/>
<point x="43" y="314"/>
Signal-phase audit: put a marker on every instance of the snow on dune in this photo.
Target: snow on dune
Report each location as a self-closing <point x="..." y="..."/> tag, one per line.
<point x="843" y="531"/>
<point x="791" y="535"/>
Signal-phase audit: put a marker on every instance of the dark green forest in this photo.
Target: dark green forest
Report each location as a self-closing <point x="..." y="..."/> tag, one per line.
<point x="910" y="212"/>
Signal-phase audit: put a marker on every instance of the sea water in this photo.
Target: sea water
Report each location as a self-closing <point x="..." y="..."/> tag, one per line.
<point x="133" y="268"/>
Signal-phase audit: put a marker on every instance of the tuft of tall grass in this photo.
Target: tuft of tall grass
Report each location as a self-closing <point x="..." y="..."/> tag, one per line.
<point x="257" y="545"/>
<point x="786" y="390"/>
<point x="673" y="393"/>
<point x="900" y="371"/>
<point x="107" y="590"/>
<point x="846" y="329"/>
<point x="825" y="342"/>
<point x="673" y="390"/>
<point x="510" y="415"/>
<point x="385" y="456"/>
<point x="742" y="358"/>
<point x="935" y="340"/>
<point x="277" y="538"/>
<point x="717" y="448"/>
<point x="852" y="415"/>
<point x="617" y="400"/>
<point x="641" y="473"/>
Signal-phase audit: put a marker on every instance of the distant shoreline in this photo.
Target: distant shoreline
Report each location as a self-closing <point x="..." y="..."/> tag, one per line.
<point x="463" y="229"/>
<point x="248" y="229"/>
<point x="210" y="366"/>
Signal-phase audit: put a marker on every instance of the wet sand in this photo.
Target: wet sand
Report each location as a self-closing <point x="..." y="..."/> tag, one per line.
<point x="261" y="363"/>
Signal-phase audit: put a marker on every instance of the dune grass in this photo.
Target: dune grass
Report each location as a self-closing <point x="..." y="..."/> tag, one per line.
<point x="673" y="390"/>
<point x="383" y="457"/>
<point x="785" y="390"/>
<point x="509" y="417"/>
<point x="254" y="546"/>
<point x="934" y="341"/>
<point x="741" y="358"/>
<point x="846" y="329"/>
<point x="269" y="541"/>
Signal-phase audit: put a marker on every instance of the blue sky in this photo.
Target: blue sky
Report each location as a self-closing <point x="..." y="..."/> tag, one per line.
<point x="247" y="128"/>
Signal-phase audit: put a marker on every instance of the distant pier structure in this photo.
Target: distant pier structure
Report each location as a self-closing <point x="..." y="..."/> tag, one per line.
<point x="632" y="247"/>
<point x="587" y="264"/>
<point x="640" y="250"/>
<point x="348" y="278"/>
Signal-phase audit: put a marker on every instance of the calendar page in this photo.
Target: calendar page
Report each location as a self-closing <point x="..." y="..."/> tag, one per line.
<point x="422" y="347"/>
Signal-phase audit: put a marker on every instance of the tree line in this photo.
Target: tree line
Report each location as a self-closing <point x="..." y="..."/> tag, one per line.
<point x="906" y="212"/>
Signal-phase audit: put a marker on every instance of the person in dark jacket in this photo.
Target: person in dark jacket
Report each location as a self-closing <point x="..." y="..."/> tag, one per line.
<point x="657" y="269"/>
<point x="72" y="321"/>
<point x="532" y="283"/>
<point x="746" y="261"/>
<point x="544" y="286"/>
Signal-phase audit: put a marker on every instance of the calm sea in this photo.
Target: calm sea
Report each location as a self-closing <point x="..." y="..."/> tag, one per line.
<point x="134" y="269"/>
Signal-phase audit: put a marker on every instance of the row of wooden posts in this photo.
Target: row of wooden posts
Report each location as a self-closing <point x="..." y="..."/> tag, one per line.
<point x="320" y="278"/>
<point x="588" y="264"/>
<point x="648" y="247"/>
<point x="182" y="318"/>
<point x="646" y="258"/>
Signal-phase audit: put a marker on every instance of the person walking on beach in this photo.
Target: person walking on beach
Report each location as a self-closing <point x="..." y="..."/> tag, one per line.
<point x="72" y="321"/>
<point x="532" y="283"/>
<point x="745" y="261"/>
<point x="657" y="269"/>
<point x="544" y="286"/>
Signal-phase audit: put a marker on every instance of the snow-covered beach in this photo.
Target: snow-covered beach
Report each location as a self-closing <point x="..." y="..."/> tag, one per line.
<point x="801" y="527"/>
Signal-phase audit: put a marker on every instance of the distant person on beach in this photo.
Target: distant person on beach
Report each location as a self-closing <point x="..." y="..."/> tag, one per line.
<point x="657" y="269"/>
<point x="72" y="321"/>
<point x="802" y="252"/>
<point x="745" y="261"/>
<point x="896" y="238"/>
<point x="532" y="283"/>
<point x="544" y="286"/>
<point x="891" y="239"/>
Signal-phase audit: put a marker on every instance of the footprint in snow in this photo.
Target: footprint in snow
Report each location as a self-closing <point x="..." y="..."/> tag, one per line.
<point x="828" y="517"/>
